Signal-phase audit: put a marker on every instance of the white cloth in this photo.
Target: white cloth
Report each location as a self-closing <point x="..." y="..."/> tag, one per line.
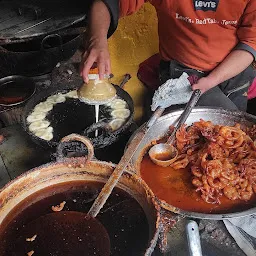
<point x="172" y="92"/>
<point x="243" y="230"/>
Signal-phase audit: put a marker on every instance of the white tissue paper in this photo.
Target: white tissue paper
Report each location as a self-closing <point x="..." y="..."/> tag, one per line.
<point x="243" y="230"/>
<point x="172" y="92"/>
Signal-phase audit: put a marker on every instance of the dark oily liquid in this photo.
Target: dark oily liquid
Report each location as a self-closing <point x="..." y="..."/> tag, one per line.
<point x="11" y="93"/>
<point x="68" y="230"/>
<point x="74" y="116"/>
<point x="122" y="217"/>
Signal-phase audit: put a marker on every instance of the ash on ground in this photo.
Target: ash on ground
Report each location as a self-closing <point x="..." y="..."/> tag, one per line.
<point x="215" y="240"/>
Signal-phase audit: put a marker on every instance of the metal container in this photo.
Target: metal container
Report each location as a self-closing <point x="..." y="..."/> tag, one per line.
<point x="83" y="169"/>
<point x="24" y="20"/>
<point x="22" y="87"/>
<point x="36" y="35"/>
<point x="15" y="91"/>
<point x="160" y="128"/>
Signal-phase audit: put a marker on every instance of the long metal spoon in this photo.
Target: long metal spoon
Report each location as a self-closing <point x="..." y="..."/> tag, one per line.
<point x="115" y="176"/>
<point x="193" y="238"/>
<point x="164" y="154"/>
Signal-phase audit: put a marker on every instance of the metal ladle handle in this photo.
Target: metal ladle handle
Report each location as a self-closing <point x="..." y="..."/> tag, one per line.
<point x="126" y="78"/>
<point x="193" y="238"/>
<point x="117" y="173"/>
<point x="190" y="105"/>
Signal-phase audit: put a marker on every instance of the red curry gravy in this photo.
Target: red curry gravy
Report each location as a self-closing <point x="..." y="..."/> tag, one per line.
<point x="175" y="187"/>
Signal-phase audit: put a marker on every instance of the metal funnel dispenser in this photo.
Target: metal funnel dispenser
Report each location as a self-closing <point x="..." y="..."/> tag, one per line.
<point x="96" y="91"/>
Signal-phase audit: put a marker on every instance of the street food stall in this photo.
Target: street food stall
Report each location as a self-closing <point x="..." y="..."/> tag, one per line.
<point x="55" y="157"/>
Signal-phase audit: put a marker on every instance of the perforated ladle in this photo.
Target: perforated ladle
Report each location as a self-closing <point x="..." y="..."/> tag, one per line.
<point x="164" y="154"/>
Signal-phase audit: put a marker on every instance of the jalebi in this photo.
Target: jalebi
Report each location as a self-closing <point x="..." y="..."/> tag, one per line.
<point x="222" y="159"/>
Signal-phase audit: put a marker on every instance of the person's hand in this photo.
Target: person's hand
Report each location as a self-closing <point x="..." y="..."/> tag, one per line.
<point x="203" y="84"/>
<point x="96" y="52"/>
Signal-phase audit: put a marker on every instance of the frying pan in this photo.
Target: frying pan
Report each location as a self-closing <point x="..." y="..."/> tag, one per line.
<point x="74" y="116"/>
<point x="159" y="129"/>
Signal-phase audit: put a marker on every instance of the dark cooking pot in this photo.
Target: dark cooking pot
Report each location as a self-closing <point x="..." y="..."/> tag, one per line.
<point x="76" y="119"/>
<point x="79" y="169"/>
<point x="37" y="57"/>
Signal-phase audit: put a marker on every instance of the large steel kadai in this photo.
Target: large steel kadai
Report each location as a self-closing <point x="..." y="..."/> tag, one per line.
<point x="160" y="128"/>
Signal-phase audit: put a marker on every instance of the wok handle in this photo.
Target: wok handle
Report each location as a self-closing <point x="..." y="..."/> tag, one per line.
<point x="53" y="36"/>
<point x="193" y="238"/>
<point x="76" y="137"/>
<point x="126" y="78"/>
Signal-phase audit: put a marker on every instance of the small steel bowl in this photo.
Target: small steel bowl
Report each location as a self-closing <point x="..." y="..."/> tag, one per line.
<point x="15" y="90"/>
<point x="163" y="154"/>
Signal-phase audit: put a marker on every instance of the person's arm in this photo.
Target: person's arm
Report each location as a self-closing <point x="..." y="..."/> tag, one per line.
<point x="236" y="62"/>
<point x="240" y="58"/>
<point x="103" y="21"/>
<point x="97" y="48"/>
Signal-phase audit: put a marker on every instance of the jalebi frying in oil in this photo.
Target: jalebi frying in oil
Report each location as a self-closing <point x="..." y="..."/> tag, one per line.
<point x="222" y="159"/>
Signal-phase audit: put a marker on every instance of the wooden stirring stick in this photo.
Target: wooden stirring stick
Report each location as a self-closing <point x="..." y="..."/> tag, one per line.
<point x="117" y="173"/>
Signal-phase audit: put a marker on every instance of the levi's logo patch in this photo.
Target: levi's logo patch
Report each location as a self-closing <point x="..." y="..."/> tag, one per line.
<point x="206" y="5"/>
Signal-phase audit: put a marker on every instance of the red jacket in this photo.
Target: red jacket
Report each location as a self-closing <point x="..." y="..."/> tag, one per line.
<point x="201" y="33"/>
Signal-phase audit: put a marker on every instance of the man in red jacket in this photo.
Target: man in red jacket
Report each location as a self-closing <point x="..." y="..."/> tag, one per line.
<point x="214" y="39"/>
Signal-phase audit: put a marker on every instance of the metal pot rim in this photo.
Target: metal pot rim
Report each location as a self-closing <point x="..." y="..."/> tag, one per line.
<point x="74" y="37"/>
<point x="49" y="22"/>
<point x="167" y="115"/>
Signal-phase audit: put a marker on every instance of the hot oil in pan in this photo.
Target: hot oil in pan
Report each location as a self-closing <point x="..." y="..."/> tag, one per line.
<point x="175" y="187"/>
<point x="72" y="116"/>
<point x="12" y="92"/>
<point x="123" y="218"/>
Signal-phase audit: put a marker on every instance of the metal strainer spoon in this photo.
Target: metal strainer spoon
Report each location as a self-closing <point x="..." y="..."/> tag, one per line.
<point x="164" y="154"/>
